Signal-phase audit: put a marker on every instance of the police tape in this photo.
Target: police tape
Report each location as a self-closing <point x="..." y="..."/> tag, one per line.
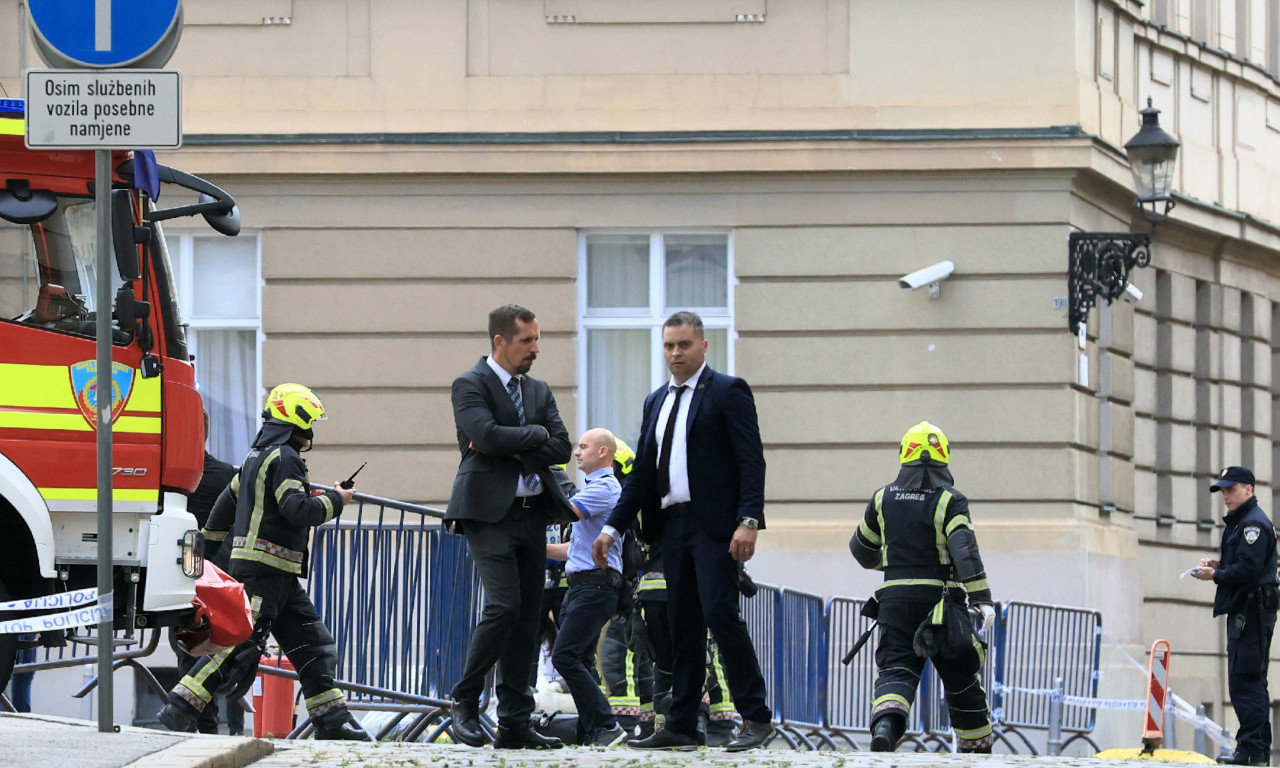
<point x="81" y="617"/>
<point x="60" y="600"/>
<point x="1075" y="701"/>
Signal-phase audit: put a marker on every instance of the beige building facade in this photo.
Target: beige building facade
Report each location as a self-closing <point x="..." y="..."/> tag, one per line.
<point x="404" y="166"/>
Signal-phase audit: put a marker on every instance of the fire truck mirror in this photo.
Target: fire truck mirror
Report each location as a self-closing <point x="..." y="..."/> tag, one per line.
<point x="125" y="308"/>
<point x="23" y="205"/>
<point x="123" y="235"/>
<point x="225" y="221"/>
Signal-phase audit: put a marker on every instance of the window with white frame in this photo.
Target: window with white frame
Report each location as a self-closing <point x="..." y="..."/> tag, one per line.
<point x="629" y="283"/>
<point x="218" y="281"/>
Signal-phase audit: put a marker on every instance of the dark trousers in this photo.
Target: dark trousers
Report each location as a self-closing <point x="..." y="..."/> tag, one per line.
<point x="899" y="671"/>
<point x="510" y="556"/>
<point x="702" y="594"/>
<point x="208" y="720"/>
<point x="588" y="606"/>
<point x="286" y="612"/>
<point x="1247" y="659"/>
<point x="20" y="683"/>
<point x="657" y="625"/>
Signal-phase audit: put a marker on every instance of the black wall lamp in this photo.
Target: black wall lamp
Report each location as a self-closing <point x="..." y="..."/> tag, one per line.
<point x="1101" y="261"/>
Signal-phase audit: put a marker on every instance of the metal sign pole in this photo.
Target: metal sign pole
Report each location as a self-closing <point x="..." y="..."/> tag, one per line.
<point x="103" y="396"/>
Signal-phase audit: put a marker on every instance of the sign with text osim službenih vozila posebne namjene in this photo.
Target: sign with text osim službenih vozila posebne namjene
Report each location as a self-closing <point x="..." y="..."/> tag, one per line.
<point x="104" y="109"/>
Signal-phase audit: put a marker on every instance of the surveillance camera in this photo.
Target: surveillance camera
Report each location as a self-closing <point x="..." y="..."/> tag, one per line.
<point x="930" y="276"/>
<point x="1131" y="293"/>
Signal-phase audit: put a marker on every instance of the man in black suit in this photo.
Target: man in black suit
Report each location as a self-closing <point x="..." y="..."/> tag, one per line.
<point x="699" y="480"/>
<point x="509" y="432"/>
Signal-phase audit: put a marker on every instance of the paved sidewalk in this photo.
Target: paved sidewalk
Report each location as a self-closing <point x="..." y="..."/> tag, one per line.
<point x="43" y="741"/>
<point x="310" y="754"/>
<point x="38" y="741"/>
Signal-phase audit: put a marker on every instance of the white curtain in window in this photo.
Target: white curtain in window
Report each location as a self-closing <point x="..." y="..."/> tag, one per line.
<point x="697" y="268"/>
<point x="225" y="271"/>
<point x="718" y="349"/>
<point x="617" y="271"/>
<point x="618" y="379"/>
<point x="226" y="373"/>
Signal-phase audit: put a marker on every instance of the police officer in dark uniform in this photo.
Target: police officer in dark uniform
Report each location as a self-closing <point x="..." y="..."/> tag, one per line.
<point x="917" y="530"/>
<point x="1245" y="573"/>
<point x="268" y="512"/>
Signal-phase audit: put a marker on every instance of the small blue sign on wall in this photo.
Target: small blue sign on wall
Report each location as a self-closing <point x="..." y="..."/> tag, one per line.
<point x="106" y="33"/>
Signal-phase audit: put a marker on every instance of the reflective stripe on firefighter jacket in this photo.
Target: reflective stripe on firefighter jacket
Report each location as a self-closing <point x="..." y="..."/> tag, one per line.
<point x="267" y="512"/>
<point x="921" y="539"/>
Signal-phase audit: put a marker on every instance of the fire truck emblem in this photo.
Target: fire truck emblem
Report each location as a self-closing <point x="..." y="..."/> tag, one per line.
<point x="84" y="383"/>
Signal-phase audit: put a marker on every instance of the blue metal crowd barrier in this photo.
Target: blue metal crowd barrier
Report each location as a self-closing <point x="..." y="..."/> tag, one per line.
<point x="403" y="599"/>
<point x="849" y="686"/>
<point x="400" y="596"/>
<point x="1037" y="644"/>
<point x="801" y="671"/>
<point x="761" y="614"/>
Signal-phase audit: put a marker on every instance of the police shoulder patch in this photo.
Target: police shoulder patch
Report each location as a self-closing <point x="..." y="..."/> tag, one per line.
<point x="1252" y="533"/>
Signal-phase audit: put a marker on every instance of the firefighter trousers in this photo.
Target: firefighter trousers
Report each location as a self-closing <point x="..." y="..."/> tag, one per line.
<point x="282" y="609"/>
<point x="899" y="670"/>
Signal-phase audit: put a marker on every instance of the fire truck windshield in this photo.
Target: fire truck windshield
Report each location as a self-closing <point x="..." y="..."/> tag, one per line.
<point x="48" y="270"/>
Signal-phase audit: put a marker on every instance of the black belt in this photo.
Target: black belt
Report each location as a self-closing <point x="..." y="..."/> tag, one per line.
<point x="594" y="576"/>
<point x="527" y="502"/>
<point x="681" y="509"/>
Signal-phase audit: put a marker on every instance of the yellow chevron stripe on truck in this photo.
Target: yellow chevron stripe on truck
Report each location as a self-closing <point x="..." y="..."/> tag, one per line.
<point x="91" y="494"/>
<point x="31" y="395"/>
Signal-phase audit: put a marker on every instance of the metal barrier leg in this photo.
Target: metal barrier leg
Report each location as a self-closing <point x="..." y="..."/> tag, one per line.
<point x="1055" y="719"/>
<point x="1201" y="742"/>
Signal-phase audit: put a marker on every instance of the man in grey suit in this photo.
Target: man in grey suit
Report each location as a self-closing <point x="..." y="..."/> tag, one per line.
<point x="509" y="432"/>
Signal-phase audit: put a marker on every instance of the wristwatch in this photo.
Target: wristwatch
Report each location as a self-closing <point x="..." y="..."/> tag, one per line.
<point x="750" y="522"/>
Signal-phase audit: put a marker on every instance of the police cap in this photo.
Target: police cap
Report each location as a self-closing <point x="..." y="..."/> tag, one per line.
<point x="1232" y="476"/>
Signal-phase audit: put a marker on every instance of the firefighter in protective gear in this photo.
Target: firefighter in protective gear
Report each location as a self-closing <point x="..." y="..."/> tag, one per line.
<point x="918" y="531"/>
<point x="264" y="517"/>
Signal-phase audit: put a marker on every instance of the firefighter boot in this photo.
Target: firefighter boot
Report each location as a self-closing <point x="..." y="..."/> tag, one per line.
<point x="179" y="716"/>
<point x="342" y="727"/>
<point x="977" y="746"/>
<point x="886" y="731"/>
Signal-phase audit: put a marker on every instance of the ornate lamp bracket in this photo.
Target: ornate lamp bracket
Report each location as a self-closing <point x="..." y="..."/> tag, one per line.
<point x="1100" y="267"/>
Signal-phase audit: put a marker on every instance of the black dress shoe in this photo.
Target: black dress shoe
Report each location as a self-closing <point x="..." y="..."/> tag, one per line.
<point x="1241" y="758"/>
<point x="752" y="736"/>
<point x="524" y="737"/>
<point x="465" y="726"/>
<point x="666" y="739"/>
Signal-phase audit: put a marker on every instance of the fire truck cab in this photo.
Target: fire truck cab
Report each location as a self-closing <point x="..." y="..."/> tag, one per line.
<point x="49" y="384"/>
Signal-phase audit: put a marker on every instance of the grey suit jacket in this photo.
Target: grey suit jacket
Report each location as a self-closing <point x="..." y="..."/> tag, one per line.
<point x="486" y="418"/>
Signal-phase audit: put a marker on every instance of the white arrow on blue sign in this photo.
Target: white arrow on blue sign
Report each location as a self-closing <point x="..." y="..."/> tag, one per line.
<point x="106" y="33"/>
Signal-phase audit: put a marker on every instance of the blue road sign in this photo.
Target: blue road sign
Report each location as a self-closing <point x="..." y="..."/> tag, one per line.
<point x="106" y="33"/>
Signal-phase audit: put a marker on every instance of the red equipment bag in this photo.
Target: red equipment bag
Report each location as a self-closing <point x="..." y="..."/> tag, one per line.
<point x="223" y="616"/>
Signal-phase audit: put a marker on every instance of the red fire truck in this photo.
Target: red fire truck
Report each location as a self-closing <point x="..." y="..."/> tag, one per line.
<point x="49" y="382"/>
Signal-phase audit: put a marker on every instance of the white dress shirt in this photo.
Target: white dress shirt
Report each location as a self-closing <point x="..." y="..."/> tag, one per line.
<point x="521" y="488"/>
<point x="679" y="465"/>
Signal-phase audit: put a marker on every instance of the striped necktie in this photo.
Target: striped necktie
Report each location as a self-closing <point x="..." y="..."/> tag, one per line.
<point x="531" y="481"/>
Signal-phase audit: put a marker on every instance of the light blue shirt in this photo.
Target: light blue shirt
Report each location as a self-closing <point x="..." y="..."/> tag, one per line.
<point x="595" y="501"/>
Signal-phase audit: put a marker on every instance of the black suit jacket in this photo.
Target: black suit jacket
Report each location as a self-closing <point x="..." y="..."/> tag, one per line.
<point x="725" y="461"/>
<point x="485" y="417"/>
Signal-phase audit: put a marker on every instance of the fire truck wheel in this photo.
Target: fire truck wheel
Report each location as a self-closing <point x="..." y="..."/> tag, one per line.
<point x="8" y="647"/>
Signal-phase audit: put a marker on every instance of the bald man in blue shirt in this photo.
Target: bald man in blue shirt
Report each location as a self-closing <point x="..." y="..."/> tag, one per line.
<point x="593" y="593"/>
